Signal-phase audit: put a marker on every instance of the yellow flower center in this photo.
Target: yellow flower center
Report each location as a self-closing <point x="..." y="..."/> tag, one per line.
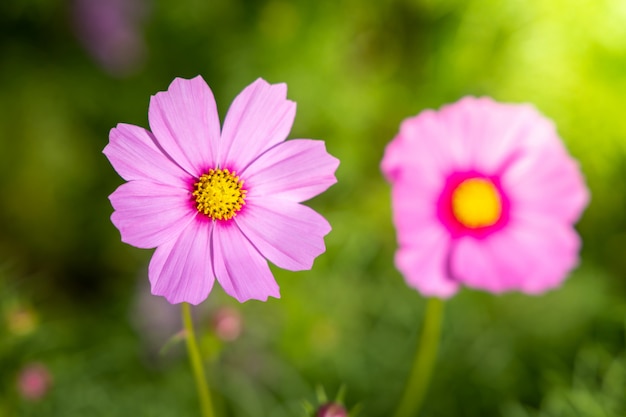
<point x="476" y="203"/>
<point x="219" y="194"/>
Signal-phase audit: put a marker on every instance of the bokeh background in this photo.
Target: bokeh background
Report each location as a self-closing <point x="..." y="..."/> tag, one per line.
<point x="76" y="314"/>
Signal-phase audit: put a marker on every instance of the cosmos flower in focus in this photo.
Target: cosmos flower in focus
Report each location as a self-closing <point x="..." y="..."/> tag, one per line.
<point x="219" y="204"/>
<point x="484" y="195"/>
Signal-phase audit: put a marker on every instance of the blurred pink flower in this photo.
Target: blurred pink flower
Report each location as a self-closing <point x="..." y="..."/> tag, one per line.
<point x="226" y="323"/>
<point x="485" y="195"/>
<point x="218" y="204"/>
<point x="111" y="31"/>
<point x="34" y="381"/>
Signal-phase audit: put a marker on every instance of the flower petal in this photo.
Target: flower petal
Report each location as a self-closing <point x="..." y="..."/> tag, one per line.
<point x="185" y="123"/>
<point x="180" y="269"/>
<point x="424" y="264"/>
<point x="290" y="235"/>
<point x="424" y="244"/>
<point x="531" y="256"/>
<point x="135" y="156"/>
<point x="295" y="170"/>
<point x="547" y="182"/>
<point x="414" y="208"/>
<point x="418" y="151"/>
<point x="239" y="267"/>
<point x="259" y="118"/>
<point x="148" y="214"/>
<point x="489" y="134"/>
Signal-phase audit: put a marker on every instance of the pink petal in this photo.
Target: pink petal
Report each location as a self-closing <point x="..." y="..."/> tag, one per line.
<point x="290" y="235"/>
<point x="148" y="214"/>
<point x="135" y="156"/>
<point x="414" y="208"/>
<point x="180" y="269"/>
<point x="185" y="122"/>
<point x="473" y="134"/>
<point x="547" y="182"/>
<point x="259" y="118"/>
<point x="424" y="150"/>
<point x="487" y="133"/>
<point x="295" y="170"/>
<point x="424" y="244"/>
<point x="530" y="255"/>
<point x="239" y="267"/>
<point x="424" y="264"/>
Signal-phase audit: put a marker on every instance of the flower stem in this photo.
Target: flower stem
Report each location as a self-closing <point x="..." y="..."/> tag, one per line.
<point x="424" y="361"/>
<point x="196" y="364"/>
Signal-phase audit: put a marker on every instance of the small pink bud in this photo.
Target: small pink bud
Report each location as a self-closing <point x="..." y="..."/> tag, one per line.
<point x="227" y="323"/>
<point x="331" y="410"/>
<point x="34" y="381"/>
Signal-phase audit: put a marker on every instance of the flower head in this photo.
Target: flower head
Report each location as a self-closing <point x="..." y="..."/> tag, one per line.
<point x="219" y="203"/>
<point x="34" y="381"/>
<point x="485" y="195"/>
<point x="226" y="323"/>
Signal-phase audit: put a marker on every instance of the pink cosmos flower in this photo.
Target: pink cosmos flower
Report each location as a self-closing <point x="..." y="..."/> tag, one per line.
<point x="485" y="195"/>
<point x="217" y="204"/>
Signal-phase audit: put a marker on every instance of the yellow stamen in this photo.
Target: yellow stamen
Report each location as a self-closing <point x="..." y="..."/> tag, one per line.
<point x="219" y="194"/>
<point x="476" y="203"/>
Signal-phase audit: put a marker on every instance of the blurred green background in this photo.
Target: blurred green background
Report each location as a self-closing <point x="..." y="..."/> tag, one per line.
<point x="74" y="299"/>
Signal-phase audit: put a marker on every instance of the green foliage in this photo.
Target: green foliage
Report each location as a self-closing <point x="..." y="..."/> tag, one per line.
<point x="596" y="389"/>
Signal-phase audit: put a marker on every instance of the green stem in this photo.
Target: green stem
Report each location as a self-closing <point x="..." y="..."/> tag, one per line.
<point x="196" y="364"/>
<point x="424" y="361"/>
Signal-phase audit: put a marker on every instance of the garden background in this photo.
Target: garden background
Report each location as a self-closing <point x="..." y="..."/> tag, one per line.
<point x="75" y="299"/>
